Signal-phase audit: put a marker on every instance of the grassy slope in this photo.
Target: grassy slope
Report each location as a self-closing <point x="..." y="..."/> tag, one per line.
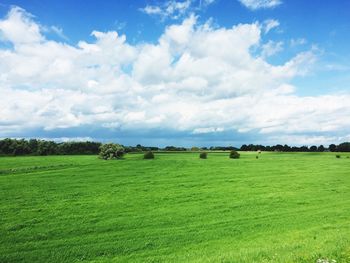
<point x="291" y="207"/>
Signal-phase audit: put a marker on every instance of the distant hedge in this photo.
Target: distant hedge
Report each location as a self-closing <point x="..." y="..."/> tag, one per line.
<point x="16" y="147"/>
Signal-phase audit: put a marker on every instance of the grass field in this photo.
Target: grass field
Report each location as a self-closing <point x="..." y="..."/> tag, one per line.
<point x="282" y="207"/>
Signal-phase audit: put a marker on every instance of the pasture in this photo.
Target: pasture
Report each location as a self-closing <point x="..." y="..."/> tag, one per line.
<point x="282" y="207"/>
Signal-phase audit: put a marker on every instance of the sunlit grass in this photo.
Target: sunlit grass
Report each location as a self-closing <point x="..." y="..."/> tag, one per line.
<point x="282" y="207"/>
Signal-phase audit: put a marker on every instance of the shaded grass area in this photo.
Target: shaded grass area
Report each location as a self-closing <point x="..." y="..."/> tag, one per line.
<point x="282" y="207"/>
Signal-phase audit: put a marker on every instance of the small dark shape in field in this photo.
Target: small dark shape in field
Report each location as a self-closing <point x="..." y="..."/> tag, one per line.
<point x="203" y="155"/>
<point x="148" y="155"/>
<point x="337" y="156"/>
<point x="347" y="157"/>
<point x="111" y="151"/>
<point x="234" y="155"/>
<point x="257" y="157"/>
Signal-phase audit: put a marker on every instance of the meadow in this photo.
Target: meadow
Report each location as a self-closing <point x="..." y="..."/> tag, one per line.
<point x="282" y="207"/>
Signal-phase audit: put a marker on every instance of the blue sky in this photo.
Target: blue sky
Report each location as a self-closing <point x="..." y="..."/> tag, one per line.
<point x="189" y="72"/>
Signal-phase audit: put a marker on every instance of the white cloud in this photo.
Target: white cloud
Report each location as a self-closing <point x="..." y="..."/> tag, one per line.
<point x="260" y="4"/>
<point x="19" y="27"/>
<point x="207" y="130"/>
<point x="59" y="32"/>
<point x="271" y="48"/>
<point x="270" y="24"/>
<point x="309" y="140"/>
<point x="152" y="10"/>
<point x="170" y="9"/>
<point x="297" y="42"/>
<point x="206" y="2"/>
<point x="196" y="79"/>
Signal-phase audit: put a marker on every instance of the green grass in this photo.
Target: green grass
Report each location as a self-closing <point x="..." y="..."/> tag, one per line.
<point x="282" y="207"/>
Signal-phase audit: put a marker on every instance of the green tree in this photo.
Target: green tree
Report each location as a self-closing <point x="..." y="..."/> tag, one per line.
<point x="234" y="155"/>
<point x="110" y="151"/>
<point x="332" y="147"/>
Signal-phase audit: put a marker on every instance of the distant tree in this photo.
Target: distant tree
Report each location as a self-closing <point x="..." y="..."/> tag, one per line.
<point x="111" y="151"/>
<point x="313" y="148"/>
<point x="47" y="148"/>
<point x="343" y="147"/>
<point x="194" y="149"/>
<point x="153" y="148"/>
<point x="244" y="147"/>
<point x="173" y="148"/>
<point x="278" y="148"/>
<point x="79" y="148"/>
<point x="286" y="148"/>
<point x="321" y="148"/>
<point x="33" y="145"/>
<point x="332" y="147"/>
<point x="304" y="149"/>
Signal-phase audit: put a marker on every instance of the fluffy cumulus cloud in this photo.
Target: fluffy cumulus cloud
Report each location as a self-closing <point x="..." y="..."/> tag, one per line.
<point x="195" y="80"/>
<point x="259" y="4"/>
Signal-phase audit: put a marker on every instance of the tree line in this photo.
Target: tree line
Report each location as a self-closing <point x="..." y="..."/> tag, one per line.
<point x="343" y="147"/>
<point x="16" y="147"/>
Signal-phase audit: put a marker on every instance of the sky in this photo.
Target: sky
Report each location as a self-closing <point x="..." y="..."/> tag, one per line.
<point x="176" y="72"/>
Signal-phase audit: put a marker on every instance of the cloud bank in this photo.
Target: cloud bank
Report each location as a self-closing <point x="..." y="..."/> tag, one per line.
<point x="195" y="80"/>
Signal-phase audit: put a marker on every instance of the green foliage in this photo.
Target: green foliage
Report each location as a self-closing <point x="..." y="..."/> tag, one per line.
<point x="234" y="154"/>
<point x="332" y="147"/>
<point x="148" y="155"/>
<point x="194" y="149"/>
<point x="203" y="155"/>
<point x="337" y="156"/>
<point x="344" y="147"/>
<point x="17" y="147"/>
<point x="111" y="151"/>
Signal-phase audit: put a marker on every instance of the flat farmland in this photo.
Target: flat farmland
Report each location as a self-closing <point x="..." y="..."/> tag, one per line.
<point x="282" y="207"/>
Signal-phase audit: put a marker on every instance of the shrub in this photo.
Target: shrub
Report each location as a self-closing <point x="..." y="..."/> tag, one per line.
<point x="203" y="155"/>
<point x="148" y="155"/>
<point x="257" y="157"/>
<point x="337" y="156"/>
<point x="111" y="151"/>
<point x="234" y="155"/>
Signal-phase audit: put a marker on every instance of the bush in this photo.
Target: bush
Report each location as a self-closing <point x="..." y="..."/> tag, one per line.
<point x="257" y="157"/>
<point x="234" y="155"/>
<point x="148" y="155"/>
<point x="111" y="151"/>
<point x="203" y="155"/>
<point x="337" y="156"/>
